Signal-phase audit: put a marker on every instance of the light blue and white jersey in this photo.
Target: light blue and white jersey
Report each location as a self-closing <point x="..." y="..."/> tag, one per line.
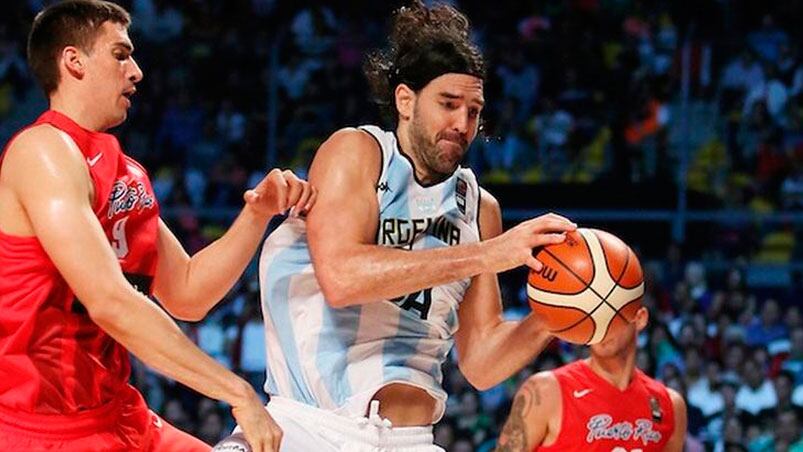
<point x="337" y="359"/>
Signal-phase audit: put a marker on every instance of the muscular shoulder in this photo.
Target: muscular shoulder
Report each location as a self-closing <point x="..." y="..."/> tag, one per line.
<point x="543" y="380"/>
<point x="349" y="145"/>
<point x="39" y="150"/>
<point x="544" y="389"/>
<point x="347" y="160"/>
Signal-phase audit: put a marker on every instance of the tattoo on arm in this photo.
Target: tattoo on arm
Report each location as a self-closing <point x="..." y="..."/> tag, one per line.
<point x="514" y="433"/>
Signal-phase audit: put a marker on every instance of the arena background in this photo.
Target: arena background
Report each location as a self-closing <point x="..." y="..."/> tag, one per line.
<point x="676" y="125"/>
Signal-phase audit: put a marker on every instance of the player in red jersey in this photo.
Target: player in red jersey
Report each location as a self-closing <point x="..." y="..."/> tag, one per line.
<point x="603" y="403"/>
<point x="81" y="245"/>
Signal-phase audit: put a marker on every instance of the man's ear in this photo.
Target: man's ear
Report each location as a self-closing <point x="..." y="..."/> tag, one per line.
<point x="405" y="101"/>
<point x="642" y="318"/>
<point x="73" y="61"/>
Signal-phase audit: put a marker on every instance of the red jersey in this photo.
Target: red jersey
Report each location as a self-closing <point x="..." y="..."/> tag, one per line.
<point x="53" y="358"/>
<point x="599" y="417"/>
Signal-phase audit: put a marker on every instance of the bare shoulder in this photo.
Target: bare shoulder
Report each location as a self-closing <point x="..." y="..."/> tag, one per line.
<point x="677" y="400"/>
<point x="543" y="388"/>
<point x="41" y="135"/>
<point x="544" y="380"/>
<point x="41" y="149"/>
<point x="488" y="201"/>
<point x="349" y="144"/>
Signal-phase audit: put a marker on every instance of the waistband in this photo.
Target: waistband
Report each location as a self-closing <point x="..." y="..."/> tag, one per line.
<point x="372" y="429"/>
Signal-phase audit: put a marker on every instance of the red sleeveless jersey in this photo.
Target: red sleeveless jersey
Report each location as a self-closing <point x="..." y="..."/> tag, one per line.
<point x="53" y="358"/>
<point x="599" y="417"/>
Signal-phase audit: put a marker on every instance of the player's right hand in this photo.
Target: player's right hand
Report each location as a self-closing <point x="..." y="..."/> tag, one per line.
<point x="515" y="247"/>
<point x="259" y="428"/>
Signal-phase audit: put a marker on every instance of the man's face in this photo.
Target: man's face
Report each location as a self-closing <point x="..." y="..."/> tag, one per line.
<point x="445" y="121"/>
<point x="111" y="72"/>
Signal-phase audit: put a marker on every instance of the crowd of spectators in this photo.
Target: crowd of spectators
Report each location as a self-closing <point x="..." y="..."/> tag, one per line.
<point x="579" y="91"/>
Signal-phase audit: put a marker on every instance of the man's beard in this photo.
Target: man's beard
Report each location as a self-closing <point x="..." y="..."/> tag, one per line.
<point x="428" y="152"/>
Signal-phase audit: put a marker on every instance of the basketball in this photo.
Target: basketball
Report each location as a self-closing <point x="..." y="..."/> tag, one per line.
<point x="590" y="284"/>
<point x="233" y="443"/>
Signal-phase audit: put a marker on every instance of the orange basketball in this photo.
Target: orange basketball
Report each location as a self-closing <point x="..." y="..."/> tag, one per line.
<point x="590" y="284"/>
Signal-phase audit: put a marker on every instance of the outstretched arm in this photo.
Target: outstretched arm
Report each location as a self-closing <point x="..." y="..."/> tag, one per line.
<point x="490" y="349"/>
<point x="535" y="404"/>
<point x="352" y="269"/>
<point x="58" y="208"/>
<point x="188" y="287"/>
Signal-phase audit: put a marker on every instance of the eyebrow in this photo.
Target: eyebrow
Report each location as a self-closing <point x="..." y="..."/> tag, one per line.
<point x="124" y="45"/>
<point x="449" y="95"/>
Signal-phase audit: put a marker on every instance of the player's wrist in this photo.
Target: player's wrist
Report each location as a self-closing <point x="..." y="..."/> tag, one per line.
<point x="256" y="217"/>
<point x="240" y="393"/>
<point x="494" y="259"/>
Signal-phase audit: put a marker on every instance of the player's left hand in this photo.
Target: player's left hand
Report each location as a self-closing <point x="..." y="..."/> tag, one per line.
<point x="279" y="192"/>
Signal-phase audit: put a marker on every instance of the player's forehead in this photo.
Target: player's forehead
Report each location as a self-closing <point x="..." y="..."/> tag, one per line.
<point x="113" y="34"/>
<point x="459" y="86"/>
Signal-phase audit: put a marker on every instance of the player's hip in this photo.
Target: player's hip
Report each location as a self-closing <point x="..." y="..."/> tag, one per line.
<point x="307" y="427"/>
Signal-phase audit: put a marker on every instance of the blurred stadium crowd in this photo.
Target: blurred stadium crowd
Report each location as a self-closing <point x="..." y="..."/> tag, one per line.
<point x="579" y="91"/>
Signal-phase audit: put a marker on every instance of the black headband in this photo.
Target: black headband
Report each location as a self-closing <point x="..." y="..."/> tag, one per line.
<point x="417" y="67"/>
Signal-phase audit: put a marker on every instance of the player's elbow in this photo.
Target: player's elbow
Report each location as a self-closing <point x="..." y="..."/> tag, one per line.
<point x="189" y="309"/>
<point x="335" y="294"/>
<point x="186" y="313"/>
<point x="335" y="288"/>
<point x="105" y="305"/>
<point x="477" y="377"/>
<point x="481" y="383"/>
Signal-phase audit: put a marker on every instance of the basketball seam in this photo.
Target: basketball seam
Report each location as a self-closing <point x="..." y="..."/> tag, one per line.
<point x="608" y="328"/>
<point x="587" y="287"/>
<point x="629" y="252"/>
<point x="563" y="264"/>
<point x="587" y="316"/>
<point x="561" y="307"/>
<point x="615" y="285"/>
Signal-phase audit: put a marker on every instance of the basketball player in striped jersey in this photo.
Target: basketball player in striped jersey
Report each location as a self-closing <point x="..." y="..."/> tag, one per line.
<point x="81" y="248"/>
<point x="363" y="300"/>
<point x="603" y="403"/>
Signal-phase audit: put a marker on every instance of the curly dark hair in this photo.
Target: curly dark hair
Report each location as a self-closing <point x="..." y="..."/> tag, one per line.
<point x="424" y="44"/>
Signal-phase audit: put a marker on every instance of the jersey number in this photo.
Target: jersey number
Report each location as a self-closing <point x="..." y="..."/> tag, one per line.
<point x="419" y="301"/>
<point x="622" y="449"/>
<point x="119" y="242"/>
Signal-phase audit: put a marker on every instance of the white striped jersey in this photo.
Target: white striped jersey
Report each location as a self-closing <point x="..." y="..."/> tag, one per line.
<point x="337" y="359"/>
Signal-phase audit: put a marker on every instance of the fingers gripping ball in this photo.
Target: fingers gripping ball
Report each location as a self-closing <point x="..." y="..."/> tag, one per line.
<point x="589" y="285"/>
<point x="233" y="443"/>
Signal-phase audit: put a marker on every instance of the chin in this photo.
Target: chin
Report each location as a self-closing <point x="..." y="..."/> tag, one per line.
<point x="118" y="120"/>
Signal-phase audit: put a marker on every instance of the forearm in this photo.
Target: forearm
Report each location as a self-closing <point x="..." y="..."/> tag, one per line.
<point x="144" y="330"/>
<point x="367" y="273"/>
<point x="211" y="273"/>
<point x="490" y="358"/>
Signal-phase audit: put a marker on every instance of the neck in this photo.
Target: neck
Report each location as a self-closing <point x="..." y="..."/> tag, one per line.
<point x="76" y="109"/>
<point x="617" y="370"/>
<point x="407" y="148"/>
